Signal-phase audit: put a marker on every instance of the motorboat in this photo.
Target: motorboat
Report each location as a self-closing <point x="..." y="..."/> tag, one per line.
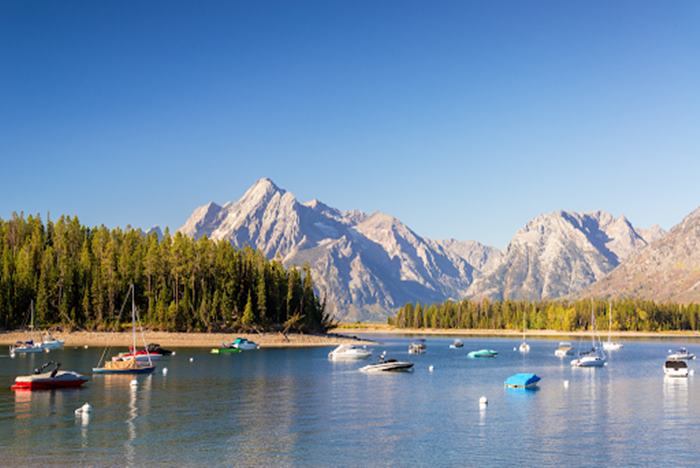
<point x="564" y="349"/>
<point x="49" y="342"/>
<point x="522" y="381"/>
<point x="387" y="365"/>
<point x="482" y="353"/>
<point x="244" y="344"/>
<point x="676" y="368"/>
<point x="681" y="354"/>
<point x="155" y="348"/>
<point x="457" y="344"/>
<point x="611" y="345"/>
<point x="349" y="352"/>
<point x="417" y="347"/>
<point x="49" y="377"/>
<point x="128" y="363"/>
<point x="593" y="358"/>
<point x="26" y="347"/>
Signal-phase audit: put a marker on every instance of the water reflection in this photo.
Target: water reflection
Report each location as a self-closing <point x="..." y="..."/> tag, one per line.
<point x="130" y="425"/>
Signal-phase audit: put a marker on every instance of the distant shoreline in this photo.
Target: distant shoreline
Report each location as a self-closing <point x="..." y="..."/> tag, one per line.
<point x="381" y="329"/>
<point x="182" y="339"/>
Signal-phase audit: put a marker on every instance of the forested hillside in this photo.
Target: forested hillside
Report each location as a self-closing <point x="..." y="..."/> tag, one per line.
<point x="78" y="278"/>
<point x="633" y="315"/>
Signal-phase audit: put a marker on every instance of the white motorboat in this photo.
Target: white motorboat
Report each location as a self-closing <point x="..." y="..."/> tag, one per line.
<point x="596" y="356"/>
<point x="244" y="344"/>
<point x="676" y="368"/>
<point x="349" y="352"/>
<point x="49" y="342"/>
<point x="457" y="344"/>
<point x="592" y="358"/>
<point x="387" y="365"/>
<point x="564" y="349"/>
<point x="417" y="347"/>
<point x="682" y="354"/>
<point x="611" y="345"/>
<point x="49" y="377"/>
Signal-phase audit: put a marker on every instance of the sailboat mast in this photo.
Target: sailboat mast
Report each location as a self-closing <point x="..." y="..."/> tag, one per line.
<point x="31" y="312"/>
<point x="592" y="324"/>
<point x="610" y="316"/>
<point x="133" y="320"/>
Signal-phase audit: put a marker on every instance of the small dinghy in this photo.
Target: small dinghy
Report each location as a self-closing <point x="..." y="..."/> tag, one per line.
<point x="349" y="352"/>
<point x="682" y="354"/>
<point x="457" y="344"/>
<point x="387" y="365"/>
<point x="522" y="381"/>
<point x="482" y="353"/>
<point x="49" y="377"/>
<point x="676" y="368"/>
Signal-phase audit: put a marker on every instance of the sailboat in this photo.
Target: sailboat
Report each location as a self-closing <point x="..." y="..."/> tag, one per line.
<point x="27" y="346"/>
<point x="127" y="364"/>
<point x="611" y="345"/>
<point x="524" y="347"/>
<point x="596" y="356"/>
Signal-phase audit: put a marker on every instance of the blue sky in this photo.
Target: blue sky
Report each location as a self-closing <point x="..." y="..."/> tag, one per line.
<point x="464" y="119"/>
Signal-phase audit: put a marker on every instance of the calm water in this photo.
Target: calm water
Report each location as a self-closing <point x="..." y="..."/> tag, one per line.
<point x="294" y="407"/>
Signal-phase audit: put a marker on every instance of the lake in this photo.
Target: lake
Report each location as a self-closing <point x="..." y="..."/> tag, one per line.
<point x="281" y="407"/>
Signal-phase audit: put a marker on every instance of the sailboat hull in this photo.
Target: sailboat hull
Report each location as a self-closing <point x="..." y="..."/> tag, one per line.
<point x="136" y="370"/>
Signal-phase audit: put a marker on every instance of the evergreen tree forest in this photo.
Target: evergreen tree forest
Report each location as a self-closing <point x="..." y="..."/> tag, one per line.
<point x="79" y="277"/>
<point x="627" y="315"/>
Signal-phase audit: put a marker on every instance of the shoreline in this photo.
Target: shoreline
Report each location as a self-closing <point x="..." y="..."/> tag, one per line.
<point x="389" y="330"/>
<point x="187" y="340"/>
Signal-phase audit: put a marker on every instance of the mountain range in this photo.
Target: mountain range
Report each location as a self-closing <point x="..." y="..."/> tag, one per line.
<point x="367" y="265"/>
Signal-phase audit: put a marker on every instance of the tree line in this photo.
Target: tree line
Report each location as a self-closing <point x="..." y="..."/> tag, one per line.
<point x="627" y="315"/>
<point x="78" y="278"/>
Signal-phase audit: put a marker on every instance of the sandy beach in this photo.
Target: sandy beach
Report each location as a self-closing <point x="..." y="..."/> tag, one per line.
<point x="383" y="329"/>
<point x="194" y="340"/>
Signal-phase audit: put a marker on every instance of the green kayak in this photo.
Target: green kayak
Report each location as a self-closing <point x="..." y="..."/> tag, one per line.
<point x="483" y="353"/>
<point x="224" y="350"/>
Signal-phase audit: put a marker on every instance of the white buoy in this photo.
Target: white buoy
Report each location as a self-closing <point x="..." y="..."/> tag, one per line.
<point x="165" y="371"/>
<point x="85" y="409"/>
<point x="431" y="368"/>
<point x="514" y="348"/>
<point x="47" y="350"/>
<point x="483" y="401"/>
<point x="174" y="353"/>
<point x="12" y="355"/>
<point x="191" y="359"/>
<point x="134" y="383"/>
<point x="86" y="346"/>
<point x="566" y="384"/>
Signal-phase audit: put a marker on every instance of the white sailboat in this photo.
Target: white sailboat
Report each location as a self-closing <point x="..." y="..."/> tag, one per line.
<point x="611" y="345"/>
<point x="524" y="347"/>
<point x="596" y="356"/>
<point x="27" y="346"/>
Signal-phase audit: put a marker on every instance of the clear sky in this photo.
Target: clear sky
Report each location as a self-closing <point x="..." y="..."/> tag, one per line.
<point x="464" y="119"/>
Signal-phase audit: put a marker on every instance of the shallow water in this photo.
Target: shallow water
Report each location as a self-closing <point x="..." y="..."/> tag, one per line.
<point x="294" y="407"/>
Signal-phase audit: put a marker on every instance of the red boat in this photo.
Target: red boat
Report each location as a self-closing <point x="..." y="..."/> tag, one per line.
<point x="45" y="379"/>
